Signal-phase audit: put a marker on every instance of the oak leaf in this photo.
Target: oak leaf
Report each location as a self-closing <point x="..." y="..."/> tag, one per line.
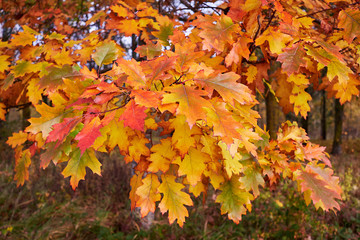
<point x="134" y="116"/>
<point x="191" y="104"/>
<point x="22" y="163"/>
<point x="105" y="53"/>
<point x="234" y="199"/>
<point x="174" y="199"/>
<point x="319" y="186"/>
<point x="86" y="137"/>
<point x="162" y="155"/>
<point x="193" y="165"/>
<point x="292" y="59"/>
<point x="349" y="19"/>
<point x="225" y="84"/>
<point x="17" y="139"/>
<point x="76" y="167"/>
<point x="148" y="194"/>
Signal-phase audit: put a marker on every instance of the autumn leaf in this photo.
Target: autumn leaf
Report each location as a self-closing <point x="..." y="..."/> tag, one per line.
<point x="132" y="68"/>
<point x="148" y="194"/>
<point x="4" y="63"/>
<point x="223" y="122"/>
<point x="105" y="53"/>
<point x="231" y="161"/>
<point x="55" y="76"/>
<point x="272" y="37"/>
<point x="349" y="19"/>
<point x="161" y="157"/>
<point x="181" y="138"/>
<point x="27" y="37"/>
<point x="239" y="49"/>
<point x="61" y="130"/>
<point x="191" y="104"/>
<point x="193" y="165"/>
<point x="86" y="137"/>
<point x="22" y="163"/>
<point x="149" y="50"/>
<point x="226" y="85"/>
<point x="251" y="180"/>
<point x="118" y="136"/>
<point x="2" y="111"/>
<point x="17" y="139"/>
<point x="134" y="116"/>
<point x="146" y="98"/>
<point x="233" y="199"/>
<point x="300" y="100"/>
<point x="174" y="199"/>
<point x="217" y="35"/>
<point x="76" y="167"/>
<point x="135" y="183"/>
<point x="292" y="59"/>
<point x="49" y="117"/>
<point x="318" y="186"/>
<point x="138" y="148"/>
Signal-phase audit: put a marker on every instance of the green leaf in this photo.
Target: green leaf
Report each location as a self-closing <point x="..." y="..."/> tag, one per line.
<point x="233" y="199"/>
<point x="106" y="53"/>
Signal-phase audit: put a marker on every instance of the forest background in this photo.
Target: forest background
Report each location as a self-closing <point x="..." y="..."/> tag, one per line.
<point x="46" y="207"/>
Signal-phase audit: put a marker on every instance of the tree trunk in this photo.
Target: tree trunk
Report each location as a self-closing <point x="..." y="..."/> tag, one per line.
<point x="323" y="115"/>
<point x="338" y="122"/>
<point x="272" y="117"/>
<point x="26" y="114"/>
<point x="305" y="123"/>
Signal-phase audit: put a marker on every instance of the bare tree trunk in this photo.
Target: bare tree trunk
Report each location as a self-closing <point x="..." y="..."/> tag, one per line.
<point x="26" y="114"/>
<point x="338" y="122"/>
<point x="323" y="115"/>
<point x="305" y="123"/>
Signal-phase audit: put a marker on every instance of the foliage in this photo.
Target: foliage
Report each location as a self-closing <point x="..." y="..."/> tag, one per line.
<point x="196" y="89"/>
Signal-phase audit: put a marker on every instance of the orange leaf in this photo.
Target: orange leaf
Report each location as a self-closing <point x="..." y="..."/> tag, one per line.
<point x="148" y="194"/>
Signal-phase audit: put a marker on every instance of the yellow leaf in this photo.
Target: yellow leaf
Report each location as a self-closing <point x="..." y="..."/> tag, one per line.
<point x="193" y="165"/>
<point x="251" y="74"/>
<point x="138" y="148"/>
<point x="49" y="117"/>
<point x="276" y="39"/>
<point x="17" y="139"/>
<point x="118" y="136"/>
<point x="162" y="155"/>
<point x="232" y="163"/>
<point x="148" y="194"/>
<point x="181" y="138"/>
<point x="174" y="199"/>
<point x="300" y="100"/>
<point x="76" y="167"/>
<point x="336" y="68"/>
<point x="4" y="63"/>
<point x="27" y="37"/>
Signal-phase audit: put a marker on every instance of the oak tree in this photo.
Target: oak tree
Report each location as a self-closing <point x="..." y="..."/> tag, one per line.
<point x="198" y="77"/>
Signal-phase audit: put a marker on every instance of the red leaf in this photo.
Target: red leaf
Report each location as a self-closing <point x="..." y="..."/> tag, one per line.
<point x="88" y="134"/>
<point x="134" y="116"/>
<point x="61" y="130"/>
